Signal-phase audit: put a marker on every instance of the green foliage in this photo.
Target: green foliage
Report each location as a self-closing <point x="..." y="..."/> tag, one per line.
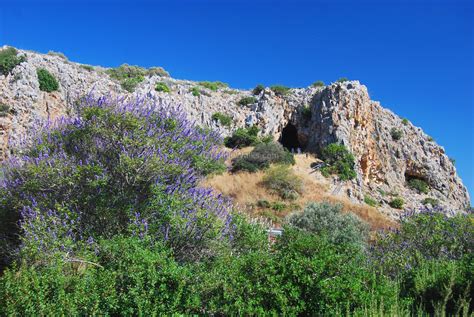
<point x="262" y="156"/>
<point x="430" y="201"/>
<point x="431" y="254"/>
<point x="327" y="219"/>
<point x="339" y="161"/>
<point x="342" y="80"/>
<point x="224" y="119"/>
<point x="430" y="139"/>
<point x="195" y="91"/>
<point x="452" y="160"/>
<point x="281" y="180"/>
<point x="263" y="203"/>
<point x="59" y="54"/>
<point x="129" y="84"/>
<point x="242" y="137"/>
<point x="213" y="85"/>
<point x="258" y="89"/>
<point x="162" y="87"/>
<point x="370" y="201"/>
<point x="87" y="67"/>
<point x="278" y="206"/>
<point x="397" y="203"/>
<point x="419" y="185"/>
<point x="306" y="112"/>
<point x="318" y="83"/>
<point x="280" y="90"/>
<point x="129" y="76"/>
<point x="157" y="71"/>
<point x="405" y="121"/>
<point x="396" y="134"/>
<point x="4" y="110"/>
<point x="47" y="82"/>
<point x="248" y="100"/>
<point x="9" y="59"/>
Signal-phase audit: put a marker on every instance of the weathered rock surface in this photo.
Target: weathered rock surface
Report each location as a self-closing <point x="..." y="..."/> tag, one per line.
<point x="340" y="112"/>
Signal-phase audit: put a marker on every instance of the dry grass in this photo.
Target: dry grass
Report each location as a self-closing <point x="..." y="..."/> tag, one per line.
<point x="246" y="190"/>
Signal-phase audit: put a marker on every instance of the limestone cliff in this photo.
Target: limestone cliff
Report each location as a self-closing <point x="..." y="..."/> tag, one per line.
<point x="340" y="112"/>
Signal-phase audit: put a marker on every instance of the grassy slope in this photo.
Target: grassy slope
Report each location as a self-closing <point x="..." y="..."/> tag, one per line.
<point x="245" y="189"/>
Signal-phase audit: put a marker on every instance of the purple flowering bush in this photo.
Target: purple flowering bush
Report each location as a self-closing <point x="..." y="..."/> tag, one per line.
<point x="115" y="165"/>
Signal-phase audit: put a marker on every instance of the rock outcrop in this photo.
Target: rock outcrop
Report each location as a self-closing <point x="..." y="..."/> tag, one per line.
<point x="340" y="112"/>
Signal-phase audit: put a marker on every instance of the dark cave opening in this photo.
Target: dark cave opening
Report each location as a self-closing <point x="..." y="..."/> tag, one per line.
<point x="289" y="138"/>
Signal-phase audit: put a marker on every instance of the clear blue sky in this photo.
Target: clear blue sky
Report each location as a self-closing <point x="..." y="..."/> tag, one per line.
<point x="416" y="57"/>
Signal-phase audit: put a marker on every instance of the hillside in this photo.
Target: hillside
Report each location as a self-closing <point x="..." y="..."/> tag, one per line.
<point x="389" y="151"/>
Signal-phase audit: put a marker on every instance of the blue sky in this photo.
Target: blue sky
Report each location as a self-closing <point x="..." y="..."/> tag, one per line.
<point x="416" y="57"/>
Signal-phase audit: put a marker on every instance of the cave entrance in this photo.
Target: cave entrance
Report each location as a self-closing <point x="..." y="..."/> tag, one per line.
<point x="289" y="138"/>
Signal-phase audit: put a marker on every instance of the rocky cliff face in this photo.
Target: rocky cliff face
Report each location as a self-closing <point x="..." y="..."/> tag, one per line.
<point x="340" y="112"/>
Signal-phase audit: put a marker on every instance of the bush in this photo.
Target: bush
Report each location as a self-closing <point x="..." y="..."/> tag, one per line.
<point x="9" y="59"/>
<point x="162" y="87"/>
<point x="258" y="89"/>
<point x="129" y="76"/>
<point x="47" y="82"/>
<point x="397" y="203"/>
<point x="58" y="54"/>
<point x="283" y="182"/>
<point x="405" y="121"/>
<point x="115" y="168"/>
<point x="195" y="91"/>
<point x="430" y="201"/>
<point x="157" y="71"/>
<point x="306" y="112"/>
<point x="4" y="110"/>
<point x="213" y="85"/>
<point x="87" y="67"/>
<point x="280" y="90"/>
<point x="263" y="203"/>
<point x="419" y="185"/>
<point x="370" y="201"/>
<point x="396" y="134"/>
<point x="328" y="220"/>
<point x="431" y="254"/>
<point x="339" y="161"/>
<point x="249" y="100"/>
<point x="224" y="119"/>
<point x="342" y="80"/>
<point x="262" y="156"/>
<point x="242" y="137"/>
<point x="318" y="83"/>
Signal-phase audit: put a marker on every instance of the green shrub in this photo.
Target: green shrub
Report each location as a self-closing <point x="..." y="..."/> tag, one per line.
<point x="370" y="201"/>
<point x="213" y="85"/>
<point x="342" y="80"/>
<point x="306" y="112"/>
<point x="419" y="185"/>
<point x="258" y="89"/>
<point x="281" y="180"/>
<point x="87" y="67"/>
<point x="396" y="134"/>
<point x="59" y="54"/>
<point x="328" y="220"/>
<point x="157" y="71"/>
<point x="452" y="160"/>
<point x="262" y="156"/>
<point x="405" y="121"/>
<point x="129" y="84"/>
<point x="162" y="87"/>
<point x="430" y="201"/>
<point x="430" y="139"/>
<point x="280" y="90"/>
<point x="4" y="110"/>
<point x="245" y="101"/>
<point x="279" y="206"/>
<point x="9" y="59"/>
<point x="195" y="91"/>
<point x="47" y="82"/>
<point x="224" y="119"/>
<point x="318" y="83"/>
<point x="242" y="137"/>
<point x="339" y="161"/>
<point x="397" y="203"/>
<point x="263" y="203"/>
